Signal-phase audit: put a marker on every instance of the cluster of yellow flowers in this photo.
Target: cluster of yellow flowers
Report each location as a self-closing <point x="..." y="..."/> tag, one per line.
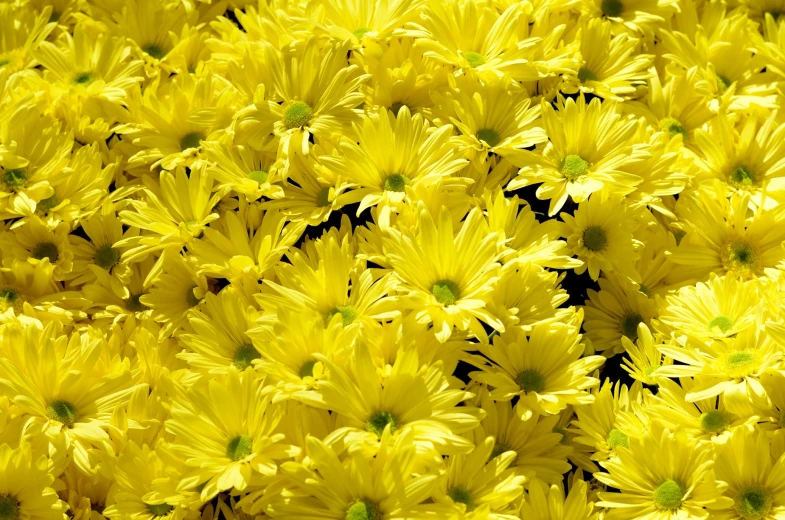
<point x="392" y="259"/>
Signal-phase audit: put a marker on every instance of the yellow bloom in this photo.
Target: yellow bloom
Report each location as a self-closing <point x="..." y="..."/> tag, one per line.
<point x="26" y="486"/>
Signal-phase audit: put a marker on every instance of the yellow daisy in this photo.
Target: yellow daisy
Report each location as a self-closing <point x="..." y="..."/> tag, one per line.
<point x="26" y="486"/>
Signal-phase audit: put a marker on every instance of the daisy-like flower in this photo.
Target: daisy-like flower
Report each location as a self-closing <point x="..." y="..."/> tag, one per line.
<point x="34" y="242"/>
<point x="660" y="475"/>
<point x="26" y="29"/>
<point x="644" y="356"/>
<point x="372" y="19"/>
<point x="225" y="431"/>
<point x="244" y="170"/>
<point x="26" y="486"/>
<point x="639" y="17"/>
<point x="600" y="234"/>
<point x="447" y="277"/>
<point x="611" y="68"/>
<point x="545" y="502"/>
<point x="589" y="145"/>
<point x="545" y="370"/>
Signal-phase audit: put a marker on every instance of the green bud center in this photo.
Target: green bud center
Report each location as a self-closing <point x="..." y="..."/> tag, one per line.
<point x="396" y="182"/>
<point x="585" y="75"/>
<point x="46" y="250"/>
<point x="753" y="503"/>
<point x="363" y="510"/>
<point x="297" y="115"/>
<point x="191" y="140"/>
<point x="379" y="420"/>
<point x="618" y="438"/>
<point x="62" y="411"/>
<point x="530" y="381"/>
<point x="573" y="167"/>
<point x="446" y="292"/>
<point x="106" y="257"/>
<point x="15" y="178"/>
<point x="154" y="51"/>
<point x="239" y="447"/>
<point x="629" y="325"/>
<point x="611" y="7"/>
<point x="347" y="312"/>
<point x="673" y="127"/>
<point x="461" y="496"/>
<point x="714" y="421"/>
<point x="9" y="508"/>
<point x="159" y="509"/>
<point x="594" y="238"/>
<point x="669" y="495"/>
<point x="489" y="135"/>
<point x="721" y="322"/>
<point x="244" y="356"/>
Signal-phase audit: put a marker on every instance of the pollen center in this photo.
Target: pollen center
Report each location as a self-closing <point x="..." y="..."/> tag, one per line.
<point x="191" y="140"/>
<point x="48" y="203"/>
<point x="573" y="167"/>
<point x="714" y="421"/>
<point x="154" y="51"/>
<point x="446" y="292"/>
<point x="742" y="177"/>
<point x="9" y="508"/>
<point x="618" y="438"/>
<point x="347" y="312"/>
<point x="15" y="178"/>
<point x="297" y="115"/>
<point x="723" y="83"/>
<point x="62" y="411"/>
<point x="363" y="510"/>
<point x="461" y="496"/>
<point x="106" y="257"/>
<point x="378" y="421"/>
<point x="10" y="297"/>
<point x="396" y="182"/>
<point x="260" y="176"/>
<point x="721" y="322"/>
<point x="594" y="238"/>
<point x="611" y="7"/>
<point x="489" y="135"/>
<point x="629" y="325"/>
<point x="585" y="75"/>
<point x="474" y="59"/>
<point x="133" y="304"/>
<point x="668" y="495"/>
<point x="323" y="197"/>
<point x="673" y="127"/>
<point x="46" y="250"/>
<point x="530" y="381"/>
<point x="307" y="369"/>
<point x="739" y="364"/>
<point x="159" y="509"/>
<point x="244" y="356"/>
<point x="359" y="33"/>
<point x="738" y="256"/>
<point x="191" y="298"/>
<point x="83" y="78"/>
<point x="239" y="447"/>
<point x="396" y="107"/>
<point x="753" y="503"/>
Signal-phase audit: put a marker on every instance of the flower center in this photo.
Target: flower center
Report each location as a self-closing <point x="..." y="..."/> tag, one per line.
<point x="489" y="135"/>
<point x="723" y="83"/>
<point x="629" y="325"/>
<point x="15" y="179"/>
<point x="191" y="140"/>
<point x="9" y="508"/>
<point x="753" y="503"/>
<point x="154" y="51"/>
<point x="106" y="257"/>
<point x="611" y="7"/>
<point x="297" y="115"/>
<point x="530" y="381"/>
<point x="573" y="167"/>
<point x="396" y="182"/>
<point x="714" y="421"/>
<point x="396" y="107"/>
<point x="62" y="412"/>
<point x="191" y="298"/>
<point x="323" y="197"/>
<point x="668" y="495"/>
<point x="159" y="509"/>
<point x="673" y="127"/>
<point x="347" y="312"/>
<point x="307" y="369"/>
<point x="10" y="297"/>
<point x="379" y="420"/>
<point x="133" y="304"/>
<point x="239" y="447"/>
<point x="244" y="356"/>
<point x="618" y="438"/>
<point x="260" y="176"/>
<point x="359" y="33"/>
<point x="446" y="292"/>
<point x="738" y="256"/>
<point x="585" y="75"/>
<point x="739" y="364"/>
<point x="83" y="78"/>
<point x="46" y="250"/>
<point x="363" y="510"/>
<point x="594" y="238"/>
<point x="48" y="203"/>
<point x="498" y="449"/>
<point x="742" y="177"/>
<point x="474" y="59"/>
<point x="461" y="496"/>
<point x="721" y="322"/>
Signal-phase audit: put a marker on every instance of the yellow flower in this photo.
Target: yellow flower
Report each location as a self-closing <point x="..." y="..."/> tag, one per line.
<point x="25" y="30"/>
<point x="26" y="486"/>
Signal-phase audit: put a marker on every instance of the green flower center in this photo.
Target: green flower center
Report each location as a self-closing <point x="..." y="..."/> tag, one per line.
<point x="629" y="325"/>
<point x="10" y="297"/>
<point x="530" y="381"/>
<point x="489" y="135"/>
<point x="347" y="312"/>
<point x="363" y="510"/>
<point x="323" y="197"/>
<point x="498" y="449"/>
<point x="742" y="177"/>
<point x="378" y="421"/>
<point x="723" y="83"/>
<point x="159" y="509"/>
<point x="611" y="7"/>
<point x="618" y="438"/>
<point x="474" y="59"/>
<point x="154" y="51"/>
<point x="15" y="179"/>
<point x="4" y="62"/>
<point x="244" y="356"/>
<point x="396" y="182"/>
<point x="673" y="127"/>
<point x="753" y="503"/>
<point x="714" y="421"/>
<point x="594" y="238"/>
<point x="307" y="369"/>
<point x="721" y="322"/>
<point x="62" y="411"/>
<point x="9" y="508"/>
<point x="106" y="257"/>
<point x="668" y="495"/>
<point x="461" y="496"/>
<point x="740" y="363"/>
<point x="260" y="176"/>
<point x="48" y="203"/>
<point x="191" y="140"/>
<point x="359" y="33"/>
<point x="133" y="304"/>
<point x="239" y="447"/>
<point x="297" y="115"/>
<point x="396" y="107"/>
<point x="82" y="78"/>
<point x="573" y="167"/>
<point x="46" y="250"/>
<point x="191" y="298"/>
<point x="446" y="292"/>
<point x="738" y="256"/>
<point x="585" y="75"/>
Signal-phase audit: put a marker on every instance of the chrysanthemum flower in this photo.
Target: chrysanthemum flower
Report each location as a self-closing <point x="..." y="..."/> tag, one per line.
<point x="34" y="242"/>
<point x="638" y="17"/>
<point x="644" y="356"/>
<point x="26" y="486"/>
<point x="543" y="502"/>
<point x="25" y="30"/>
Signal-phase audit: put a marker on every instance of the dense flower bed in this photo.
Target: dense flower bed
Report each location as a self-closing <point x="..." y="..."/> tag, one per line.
<point x="392" y="259"/>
